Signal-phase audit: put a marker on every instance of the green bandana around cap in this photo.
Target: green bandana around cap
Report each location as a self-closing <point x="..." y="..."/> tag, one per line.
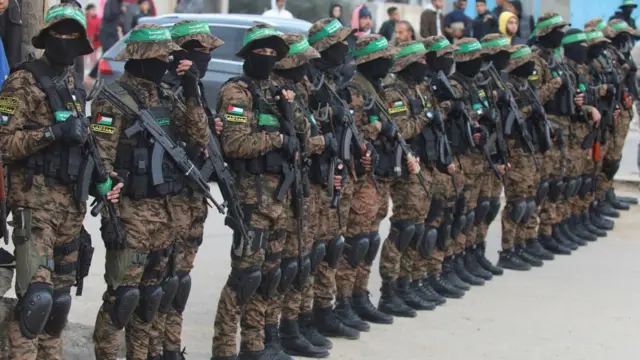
<point x="148" y="35"/>
<point x="594" y="35"/>
<point x="299" y="47"/>
<point x="411" y="49"/>
<point x="468" y="47"/>
<point x="439" y="45"/>
<point x="187" y="29"/>
<point x="329" y="29"/>
<point x="520" y="53"/>
<point x="500" y="42"/>
<point x="377" y="45"/>
<point x="550" y="22"/>
<point x="620" y="26"/>
<point x="258" y="34"/>
<point x="628" y="3"/>
<point x="68" y="12"/>
<point x="601" y="25"/>
<point x="574" y="38"/>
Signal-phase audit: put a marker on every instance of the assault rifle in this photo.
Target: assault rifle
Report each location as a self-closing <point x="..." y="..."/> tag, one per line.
<point x="4" y="231"/>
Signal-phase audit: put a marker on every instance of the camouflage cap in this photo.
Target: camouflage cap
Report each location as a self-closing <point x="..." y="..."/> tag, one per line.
<point x="618" y="27"/>
<point x="628" y="3"/>
<point x="148" y="41"/>
<point x="440" y="45"/>
<point x="599" y="24"/>
<point x="548" y="22"/>
<point x="468" y="49"/>
<point x="371" y="47"/>
<point x="300" y="52"/>
<point x="199" y="31"/>
<point x="408" y="52"/>
<point x="521" y="54"/>
<point x="59" y="13"/>
<point x="494" y="43"/>
<point x="262" y="33"/>
<point x="596" y="37"/>
<point x="327" y="32"/>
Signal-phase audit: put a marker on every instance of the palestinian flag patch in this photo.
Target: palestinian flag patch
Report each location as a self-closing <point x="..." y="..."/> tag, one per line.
<point x="235" y="114"/>
<point x="397" y="107"/>
<point x="103" y="119"/>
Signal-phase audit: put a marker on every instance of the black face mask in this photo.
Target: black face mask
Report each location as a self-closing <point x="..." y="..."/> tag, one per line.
<point x="375" y="69"/>
<point x="469" y="68"/>
<point x="500" y="60"/>
<point x="576" y="52"/>
<point x="627" y="11"/>
<point x="259" y="66"/>
<point x="295" y="74"/>
<point x="335" y="54"/>
<point x="415" y="71"/>
<point x="148" y="69"/>
<point x="596" y="50"/>
<point x="525" y="70"/>
<point x="623" y="43"/>
<point x="444" y="64"/>
<point x="200" y="60"/>
<point x="552" y="40"/>
<point x="62" y="51"/>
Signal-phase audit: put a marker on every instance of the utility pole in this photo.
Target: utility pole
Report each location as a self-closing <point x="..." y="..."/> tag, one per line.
<point x="32" y="21"/>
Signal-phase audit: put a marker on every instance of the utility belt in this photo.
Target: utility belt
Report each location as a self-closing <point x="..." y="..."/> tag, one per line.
<point x="389" y="159"/>
<point x="269" y="163"/>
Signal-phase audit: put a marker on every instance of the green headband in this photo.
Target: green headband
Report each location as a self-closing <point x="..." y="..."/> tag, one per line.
<point x="68" y="12"/>
<point x="439" y="45"/>
<point x="377" y="45"/>
<point x="326" y="31"/>
<point x="521" y="53"/>
<point x="469" y="47"/>
<point x="299" y="47"/>
<point x="260" y="33"/>
<point x="594" y="35"/>
<point x="148" y="34"/>
<point x="500" y="42"/>
<point x="574" y="38"/>
<point x="628" y="3"/>
<point x="193" y="28"/>
<point x="411" y="49"/>
<point x="620" y="26"/>
<point x="601" y="25"/>
<point x="549" y="22"/>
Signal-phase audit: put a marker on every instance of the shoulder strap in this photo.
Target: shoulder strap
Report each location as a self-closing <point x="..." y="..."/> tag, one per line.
<point x="127" y="94"/>
<point x="44" y="77"/>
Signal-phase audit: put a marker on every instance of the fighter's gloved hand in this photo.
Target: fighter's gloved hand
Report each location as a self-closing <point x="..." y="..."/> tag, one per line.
<point x="388" y="129"/>
<point x="290" y="145"/>
<point x="73" y="131"/>
<point x="190" y="83"/>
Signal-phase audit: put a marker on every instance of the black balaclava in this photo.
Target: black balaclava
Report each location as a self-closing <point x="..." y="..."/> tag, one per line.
<point x="335" y="54"/>
<point x="259" y="66"/>
<point x="627" y="11"/>
<point x="576" y="51"/>
<point x="375" y="69"/>
<point x="525" y="70"/>
<point x="500" y="60"/>
<point x="623" y="42"/>
<point x="415" y="71"/>
<point x="60" y="51"/>
<point x="596" y="50"/>
<point x="440" y="63"/>
<point x="200" y="60"/>
<point x="148" y="69"/>
<point x="469" y="68"/>
<point x="552" y="40"/>
<point x="295" y="74"/>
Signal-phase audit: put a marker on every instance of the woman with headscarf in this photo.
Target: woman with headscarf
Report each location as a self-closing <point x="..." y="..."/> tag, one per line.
<point x="335" y="12"/>
<point x="508" y="24"/>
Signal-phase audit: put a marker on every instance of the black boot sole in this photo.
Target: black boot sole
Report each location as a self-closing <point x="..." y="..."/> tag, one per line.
<point x="556" y="251"/>
<point x="374" y="320"/>
<point x="510" y="266"/>
<point x="404" y="314"/>
<point x="322" y="355"/>
<point x="420" y="307"/>
<point x="340" y="336"/>
<point x="541" y="256"/>
<point x="628" y="200"/>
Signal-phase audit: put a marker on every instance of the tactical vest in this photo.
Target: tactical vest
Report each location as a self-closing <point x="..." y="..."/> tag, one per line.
<point x="458" y="130"/>
<point x="135" y="161"/>
<point x="59" y="163"/>
<point x="562" y="103"/>
<point x="532" y="126"/>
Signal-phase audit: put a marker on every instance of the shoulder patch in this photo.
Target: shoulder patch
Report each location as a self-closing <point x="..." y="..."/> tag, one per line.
<point x="397" y="107"/>
<point x="8" y="105"/>
<point x="103" y="124"/>
<point x="235" y="113"/>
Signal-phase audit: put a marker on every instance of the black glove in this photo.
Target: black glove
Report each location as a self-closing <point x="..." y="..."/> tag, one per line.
<point x="190" y="81"/>
<point x="290" y="145"/>
<point x="110" y="234"/>
<point x="388" y="129"/>
<point x="330" y="145"/>
<point x="73" y="131"/>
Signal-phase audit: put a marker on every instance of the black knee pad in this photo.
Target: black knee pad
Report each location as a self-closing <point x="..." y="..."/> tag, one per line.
<point x="150" y="298"/>
<point x="570" y="185"/>
<point x="530" y="211"/>
<point x="374" y="246"/>
<point x="318" y="252"/>
<point x="127" y="298"/>
<point x="587" y="186"/>
<point x="470" y="221"/>
<point x="334" y="251"/>
<point x="356" y="249"/>
<point x="429" y="240"/>
<point x="458" y="225"/>
<point x="59" y="312"/>
<point x="418" y="236"/>
<point x="482" y="210"/>
<point x="494" y="210"/>
<point x="245" y="283"/>
<point x="556" y="188"/>
<point x="516" y="210"/>
<point x="435" y="211"/>
<point x="406" y="230"/>
<point x="182" y="295"/>
<point x="288" y="272"/>
<point x="542" y="191"/>
<point x="578" y="186"/>
<point x="169" y="287"/>
<point x="444" y="231"/>
<point x="270" y="282"/>
<point x="34" y="308"/>
<point x="610" y="168"/>
<point x="303" y="272"/>
<point x="460" y="206"/>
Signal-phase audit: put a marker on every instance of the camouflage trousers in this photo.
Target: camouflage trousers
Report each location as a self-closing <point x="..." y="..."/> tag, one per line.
<point x="40" y="241"/>
<point x="491" y="190"/>
<point x="330" y="224"/>
<point x="270" y="217"/>
<point x="604" y="184"/>
<point x="521" y="184"/>
<point x="474" y="166"/>
<point x="142" y="264"/>
<point x="188" y="224"/>
<point x="410" y="203"/>
<point x="368" y="207"/>
<point x="577" y="160"/>
<point x="551" y="164"/>
<point x="613" y="153"/>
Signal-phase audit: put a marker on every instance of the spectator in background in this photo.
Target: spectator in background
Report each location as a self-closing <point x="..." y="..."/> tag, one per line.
<point x="335" y="12"/>
<point x="432" y="19"/>
<point x="509" y="24"/>
<point x="457" y="21"/>
<point x="526" y="22"/>
<point x="626" y="9"/>
<point x="4" y="64"/>
<point x="388" y="27"/>
<point x="144" y="9"/>
<point x="190" y="6"/>
<point x="499" y="8"/>
<point x="93" y="30"/>
<point x="278" y="10"/>
<point x="111" y="20"/>
<point x="484" y="23"/>
<point x="362" y="20"/>
<point x="404" y="32"/>
<point x="11" y="31"/>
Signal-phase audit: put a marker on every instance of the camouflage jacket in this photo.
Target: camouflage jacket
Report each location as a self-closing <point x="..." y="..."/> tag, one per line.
<point x="406" y="102"/>
<point x="367" y="128"/>
<point x="190" y="121"/>
<point x="542" y="79"/>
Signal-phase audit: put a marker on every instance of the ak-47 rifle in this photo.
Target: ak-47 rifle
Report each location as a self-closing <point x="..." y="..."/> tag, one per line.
<point x="3" y="204"/>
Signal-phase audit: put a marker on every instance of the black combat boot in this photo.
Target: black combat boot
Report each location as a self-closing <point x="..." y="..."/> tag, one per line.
<point x="561" y="239"/>
<point x="445" y="288"/>
<point x="329" y="325"/>
<point x="157" y="357"/>
<point x="615" y="202"/>
<point x="534" y="248"/>
<point x="295" y="344"/>
<point x="528" y="258"/>
<point x="407" y="293"/>
<point x="484" y="262"/>
<point x="626" y="199"/>
<point x="309" y="331"/>
<point x="463" y="274"/>
<point x="425" y="291"/>
<point x="345" y="313"/>
<point x="605" y="208"/>
<point x="549" y="243"/>
<point x="472" y="266"/>
<point x="365" y="309"/>
<point x="509" y="259"/>
<point x="272" y="345"/>
<point x="234" y="357"/>
<point x="255" y="355"/>
<point x="590" y="227"/>
<point x="598" y="219"/>
<point x="390" y="303"/>
<point x="449" y="274"/>
<point x="579" y="229"/>
<point x="180" y="355"/>
<point x="565" y="229"/>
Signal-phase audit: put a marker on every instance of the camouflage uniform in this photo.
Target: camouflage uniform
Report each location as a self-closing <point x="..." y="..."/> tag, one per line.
<point x="47" y="213"/>
<point x="147" y="215"/>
